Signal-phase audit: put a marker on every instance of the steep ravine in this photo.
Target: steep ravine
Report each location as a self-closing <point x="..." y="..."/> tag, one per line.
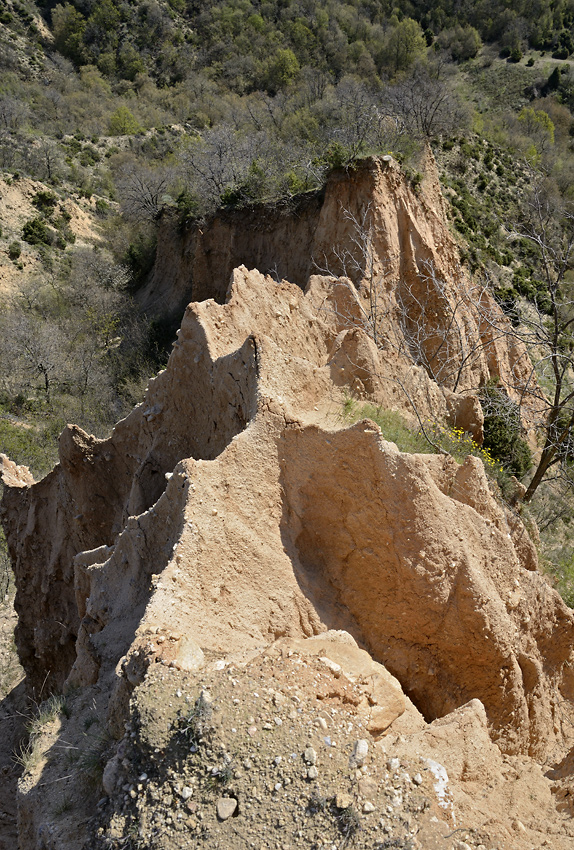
<point x="200" y="584"/>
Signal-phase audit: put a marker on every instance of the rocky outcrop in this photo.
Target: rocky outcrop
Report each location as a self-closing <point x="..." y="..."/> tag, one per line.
<point x="370" y="224"/>
<point x="233" y="511"/>
<point x="292" y="242"/>
<point x="223" y="509"/>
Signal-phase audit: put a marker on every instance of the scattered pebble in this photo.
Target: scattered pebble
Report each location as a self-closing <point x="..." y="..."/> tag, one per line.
<point x="343" y="801"/>
<point x="360" y="752"/>
<point x="310" y="755"/>
<point x="226" y="807"/>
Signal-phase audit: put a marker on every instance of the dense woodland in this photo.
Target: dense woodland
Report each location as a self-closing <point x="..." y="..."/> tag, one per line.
<point x="135" y="106"/>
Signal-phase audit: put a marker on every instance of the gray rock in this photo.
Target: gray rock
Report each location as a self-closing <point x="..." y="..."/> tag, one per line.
<point x="112" y="774"/>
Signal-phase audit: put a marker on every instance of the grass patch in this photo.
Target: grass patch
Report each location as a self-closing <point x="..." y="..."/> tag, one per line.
<point x="393" y="426"/>
<point x="452" y="441"/>
<point x="34" y="447"/>
<point x="92" y="760"/>
<point x="348" y="822"/>
<point x="64" y="806"/>
<point x="31" y="752"/>
<point x="194" y="724"/>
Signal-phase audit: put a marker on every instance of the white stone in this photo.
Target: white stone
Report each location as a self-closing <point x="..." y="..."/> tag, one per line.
<point x="310" y="755"/>
<point x="360" y="752"/>
<point x="226" y="807"/>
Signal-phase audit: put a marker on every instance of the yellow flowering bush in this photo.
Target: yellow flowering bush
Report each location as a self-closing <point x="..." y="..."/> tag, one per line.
<point x="460" y="444"/>
<point x="456" y="442"/>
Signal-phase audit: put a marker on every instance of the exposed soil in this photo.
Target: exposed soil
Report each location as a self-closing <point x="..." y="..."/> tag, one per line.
<point x="279" y="736"/>
<point x="15" y="209"/>
<point x="12" y="722"/>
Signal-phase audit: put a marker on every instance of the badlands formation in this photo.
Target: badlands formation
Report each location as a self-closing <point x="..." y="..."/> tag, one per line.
<point x="275" y="630"/>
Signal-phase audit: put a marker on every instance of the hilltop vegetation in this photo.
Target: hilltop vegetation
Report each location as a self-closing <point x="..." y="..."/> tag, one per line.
<point x="123" y="109"/>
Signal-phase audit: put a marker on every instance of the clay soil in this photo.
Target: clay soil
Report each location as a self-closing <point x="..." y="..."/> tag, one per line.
<point x="278" y="736"/>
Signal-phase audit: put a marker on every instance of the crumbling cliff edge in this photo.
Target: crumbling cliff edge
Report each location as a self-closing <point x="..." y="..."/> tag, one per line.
<point x="233" y="536"/>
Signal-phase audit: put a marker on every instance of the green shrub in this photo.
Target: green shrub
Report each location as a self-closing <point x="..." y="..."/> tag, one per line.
<point x="187" y="206"/>
<point x="45" y="201"/>
<point x="561" y="53"/>
<point x="14" y="250"/>
<point x="102" y="207"/>
<point x="36" y="232"/>
<point x="502" y="431"/>
<point x="140" y="257"/>
<point x="337" y="155"/>
<point x="515" y="55"/>
<point x="123" y="123"/>
<point x="431" y="437"/>
<point x="30" y="447"/>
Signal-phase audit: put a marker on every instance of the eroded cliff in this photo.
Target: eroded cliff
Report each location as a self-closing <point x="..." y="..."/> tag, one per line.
<point x="233" y="514"/>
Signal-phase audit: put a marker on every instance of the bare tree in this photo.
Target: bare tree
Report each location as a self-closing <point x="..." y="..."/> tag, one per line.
<point x="218" y="159"/>
<point x="425" y="104"/>
<point x="45" y="158"/>
<point x="357" y="120"/>
<point x="143" y="191"/>
<point x="356" y="263"/>
<point x="13" y="112"/>
<point x="315" y="82"/>
<point x="452" y="329"/>
<point x="236" y="167"/>
<point x="444" y="326"/>
<point x="37" y="347"/>
<point x="73" y="336"/>
<point x="546" y="328"/>
<point x="9" y="152"/>
<point x="436" y="324"/>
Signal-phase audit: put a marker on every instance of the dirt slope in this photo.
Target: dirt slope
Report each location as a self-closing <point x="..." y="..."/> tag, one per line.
<point x="16" y="209"/>
<point x="180" y="578"/>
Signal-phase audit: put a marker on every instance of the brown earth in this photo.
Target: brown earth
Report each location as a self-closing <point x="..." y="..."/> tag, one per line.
<point x="14" y="710"/>
<point x="228" y="524"/>
<point x="16" y="209"/>
<point x="391" y="239"/>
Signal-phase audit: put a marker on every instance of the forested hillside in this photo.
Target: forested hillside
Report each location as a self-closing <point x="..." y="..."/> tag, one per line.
<point x="113" y="112"/>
